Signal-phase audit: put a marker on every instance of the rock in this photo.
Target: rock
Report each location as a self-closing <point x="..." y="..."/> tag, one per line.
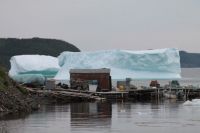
<point x="1" y="110"/>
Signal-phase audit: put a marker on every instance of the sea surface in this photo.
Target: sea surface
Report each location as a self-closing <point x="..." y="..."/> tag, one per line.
<point x="169" y="116"/>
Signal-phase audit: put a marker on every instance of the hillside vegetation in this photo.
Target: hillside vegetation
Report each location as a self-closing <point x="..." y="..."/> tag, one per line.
<point x="189" y="60"/>
<point x="3" y="79"/>
<point x="14" y="98"/>
<point x="12" y="46"/>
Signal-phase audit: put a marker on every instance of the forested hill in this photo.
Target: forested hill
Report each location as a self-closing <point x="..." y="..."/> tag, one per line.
<point x="189" y="60"/>
<point x="12" y="46"/>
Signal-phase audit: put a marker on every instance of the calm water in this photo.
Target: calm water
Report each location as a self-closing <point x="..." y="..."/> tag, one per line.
<point x="110" y="117"/>
<point x="169" y="116"/>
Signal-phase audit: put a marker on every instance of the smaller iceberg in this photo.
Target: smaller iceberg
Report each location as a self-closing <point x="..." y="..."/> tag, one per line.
<point x="194" y="102"/>
<point x="33" y="68"/>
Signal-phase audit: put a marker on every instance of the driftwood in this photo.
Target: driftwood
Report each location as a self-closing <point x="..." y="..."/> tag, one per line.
<point x="64" y="94"/>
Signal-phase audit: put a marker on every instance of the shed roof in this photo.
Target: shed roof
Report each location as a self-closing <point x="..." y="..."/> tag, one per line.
<point x="103" y="70"/>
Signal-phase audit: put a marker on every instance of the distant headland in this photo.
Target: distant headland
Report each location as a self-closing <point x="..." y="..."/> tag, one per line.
<point x="189" y="60"/>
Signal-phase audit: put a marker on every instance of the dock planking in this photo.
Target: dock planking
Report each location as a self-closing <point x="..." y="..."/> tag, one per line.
<point x="136" y="94"/>
<point x="64" y="94"/>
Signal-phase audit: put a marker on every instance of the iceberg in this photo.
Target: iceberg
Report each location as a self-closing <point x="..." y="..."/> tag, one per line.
<point x="33" y="68"/>
<point x="194" y="102"/>
<point x="147" y="64"/>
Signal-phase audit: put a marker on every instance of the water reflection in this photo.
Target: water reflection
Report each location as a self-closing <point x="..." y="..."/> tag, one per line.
<point x="159" y="116"/>
<point x="90" y="115"/>
<point x="3" y="128"/>
<point x="10" y="116"/>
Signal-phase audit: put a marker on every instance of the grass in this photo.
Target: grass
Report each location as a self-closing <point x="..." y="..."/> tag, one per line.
<point x="4" y="83"/>
<point x="22" y="90"/>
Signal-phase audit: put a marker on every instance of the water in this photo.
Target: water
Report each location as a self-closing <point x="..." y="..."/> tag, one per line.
<point x="106" y="117"/>
<point x="110" y="117"/>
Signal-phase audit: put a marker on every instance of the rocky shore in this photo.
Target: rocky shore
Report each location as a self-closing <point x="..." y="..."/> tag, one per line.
<point x="14" y="98"/>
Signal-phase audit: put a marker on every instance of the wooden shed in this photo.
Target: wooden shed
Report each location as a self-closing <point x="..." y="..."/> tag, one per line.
<point x="101" y="75"/>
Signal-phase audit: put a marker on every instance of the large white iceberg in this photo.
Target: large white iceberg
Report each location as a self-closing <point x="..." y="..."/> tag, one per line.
<point x="148" y="64"/>
<point x="33" y="68"/>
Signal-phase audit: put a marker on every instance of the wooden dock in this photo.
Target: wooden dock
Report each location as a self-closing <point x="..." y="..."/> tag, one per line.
<point x="66" y="95"/>
<point x="137" y="94"/>
<point x="157" y="93"/>
<point x="113" y="94"/>
<point x="145" y="94"/>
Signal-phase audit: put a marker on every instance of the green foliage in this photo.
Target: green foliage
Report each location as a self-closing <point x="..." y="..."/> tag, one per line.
<point x="3" y="79"/>
<point x="22" y="90"/>
<point x="11" y="46"/>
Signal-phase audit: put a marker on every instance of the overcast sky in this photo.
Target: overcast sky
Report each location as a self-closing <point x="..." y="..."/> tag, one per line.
<point x="106" y="24"/>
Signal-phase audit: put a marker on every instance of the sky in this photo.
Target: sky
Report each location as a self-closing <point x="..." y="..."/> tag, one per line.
<point x="105" y="24"/>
